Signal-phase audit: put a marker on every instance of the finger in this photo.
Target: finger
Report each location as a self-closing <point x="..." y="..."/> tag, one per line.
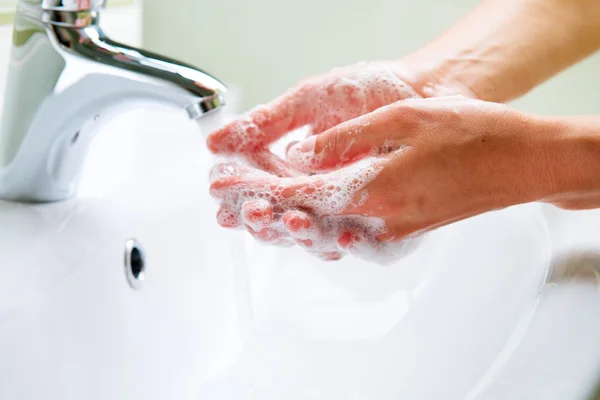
<point x="321" y="194"/>
<point x="227" y="218"/>
<point x="298" y="223"/>
<point x="284" y="241"/>
<point x="269" y="162"/>
<point x="306" y="243"/>
<point x="302" y="190"/>
<point x="388" y="238"/>
<point x="254" y="202"/>
<point x="362" y="244"/>
<point x="241" y="187"/>
<point x="376" y="133"/>
<point x="304" y="229"/>
<point x="263" y="125"/>
<point x="257" y="214"/>
<point x="346" y="97"/>
<point x="331" y="255"/>
<point x="267" y="235"/>
<point x="349" y="240"/>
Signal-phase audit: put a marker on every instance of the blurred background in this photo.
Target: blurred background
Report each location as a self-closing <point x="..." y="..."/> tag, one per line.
<point x="262" y="47"/>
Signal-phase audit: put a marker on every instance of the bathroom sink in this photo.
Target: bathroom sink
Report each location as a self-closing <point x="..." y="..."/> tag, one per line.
<point x="219" y="316"/>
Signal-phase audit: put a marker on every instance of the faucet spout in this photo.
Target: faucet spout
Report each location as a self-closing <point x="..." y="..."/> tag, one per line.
<point x="65" y="78"/>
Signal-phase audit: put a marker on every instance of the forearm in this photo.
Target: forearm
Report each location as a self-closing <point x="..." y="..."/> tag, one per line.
<point x="504" y="48"/>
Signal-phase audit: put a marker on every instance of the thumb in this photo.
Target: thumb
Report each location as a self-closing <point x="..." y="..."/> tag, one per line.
<point x="337" y="146"/>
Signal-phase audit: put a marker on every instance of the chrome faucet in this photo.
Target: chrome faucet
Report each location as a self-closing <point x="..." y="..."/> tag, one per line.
<point x="66" y="77"/>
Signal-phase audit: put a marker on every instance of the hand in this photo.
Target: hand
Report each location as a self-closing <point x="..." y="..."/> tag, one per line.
<point x="303" y="210"/>
<point x="399" y="171"/>
<point x="320" y="102"/>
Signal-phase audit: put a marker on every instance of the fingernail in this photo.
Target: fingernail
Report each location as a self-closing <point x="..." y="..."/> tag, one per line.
<point x="304" y="146"/>
<point x="345" y="239"/>
<point x="305" y="242"/>
<point x="290" y="145"/>
<point x="302" y="155"/>
<point x="331" y="256"/>
<point x="386" y="238"/>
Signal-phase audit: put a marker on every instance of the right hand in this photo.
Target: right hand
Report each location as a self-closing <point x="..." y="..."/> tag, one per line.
<point x="393" y="174"/>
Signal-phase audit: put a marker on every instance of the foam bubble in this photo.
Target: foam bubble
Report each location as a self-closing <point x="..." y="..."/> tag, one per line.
<point x="244" y="133"/>
<point x="365" y="89"/>
<point x="387" y="147"/>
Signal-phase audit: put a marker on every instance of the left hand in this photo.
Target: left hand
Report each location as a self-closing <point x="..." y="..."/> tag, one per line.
<point x="319" y="102"/>
<point x="398" y="171"/>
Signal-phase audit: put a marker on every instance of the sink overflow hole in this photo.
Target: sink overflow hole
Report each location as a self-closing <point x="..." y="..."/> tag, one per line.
<point x="135" y="267"/>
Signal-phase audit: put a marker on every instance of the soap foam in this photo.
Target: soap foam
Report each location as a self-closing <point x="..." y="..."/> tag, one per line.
<point x="244" y="134"/>
<point x="322" y="200"/>
<point x="387" y="147"/>
<point x="346" y="97"/>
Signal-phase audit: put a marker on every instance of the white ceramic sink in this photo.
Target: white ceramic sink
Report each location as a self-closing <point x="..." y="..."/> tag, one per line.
<point x="466" y="316"/>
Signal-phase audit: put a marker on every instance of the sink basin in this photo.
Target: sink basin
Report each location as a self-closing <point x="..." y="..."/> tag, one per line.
<point x="71" y="326"/>
<point x="219" y="316"/>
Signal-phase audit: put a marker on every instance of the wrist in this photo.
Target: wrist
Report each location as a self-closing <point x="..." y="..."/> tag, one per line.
<point x="467" y="72"/>
<point x="435" y="77"/>
<point x="574" y="163"/>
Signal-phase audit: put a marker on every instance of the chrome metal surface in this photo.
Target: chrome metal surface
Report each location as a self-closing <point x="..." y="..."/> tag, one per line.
<point x="65" y="78"/>
<point x="67" y="5"/>
<point x="135" y="264"/>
